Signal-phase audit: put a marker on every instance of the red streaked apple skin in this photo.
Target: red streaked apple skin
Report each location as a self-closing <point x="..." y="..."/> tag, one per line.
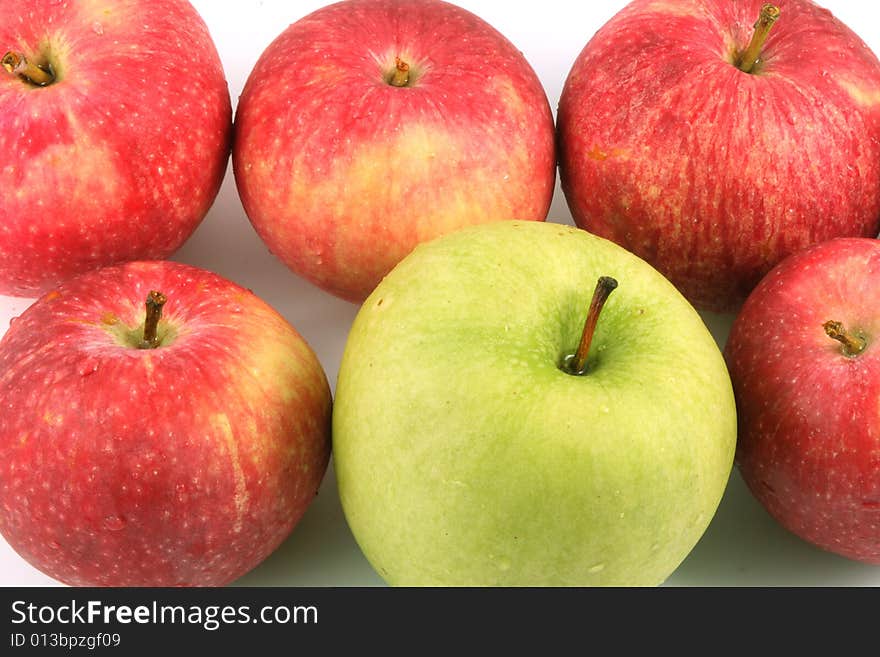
<point x="121" y="158"/>
<point x="343" y="174"/>
<point x="711" y="174"/>
<point x="809" y="416"/>
<point x="185" y="465"/>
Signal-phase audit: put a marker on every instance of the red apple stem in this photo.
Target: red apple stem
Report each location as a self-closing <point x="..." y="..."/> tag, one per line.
<point x="853" y="345"/>
<point x="751" y="55"/>
<point x="155" y="301"/>
<point x="400" y="76"/>
<point x="17" y="64"/>
<point x="604" y="287"/>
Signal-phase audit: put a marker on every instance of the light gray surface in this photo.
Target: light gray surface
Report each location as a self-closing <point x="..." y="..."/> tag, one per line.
<point x="742" y="547"/>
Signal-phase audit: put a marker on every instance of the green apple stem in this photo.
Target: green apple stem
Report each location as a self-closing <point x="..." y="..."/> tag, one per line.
<point x="751" y="55"/>
<point x="155" y="301"/>
<point x="853" y="345"/>
<point x="17" y="64"/>
<point x="604" y="287"/>
<point x="400" y="76"/>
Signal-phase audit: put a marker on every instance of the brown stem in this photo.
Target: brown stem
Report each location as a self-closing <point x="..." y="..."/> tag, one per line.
<point x="154" y="312"/>
<point x="17" y="64"/>
<point x="604" y="287"/>
<point x="400" y="77"/>
<point x="751" y="55"/>
<point x="853" y="345"/>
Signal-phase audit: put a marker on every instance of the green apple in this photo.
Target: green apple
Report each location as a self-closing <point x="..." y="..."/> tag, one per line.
<point x="467" y="454"/>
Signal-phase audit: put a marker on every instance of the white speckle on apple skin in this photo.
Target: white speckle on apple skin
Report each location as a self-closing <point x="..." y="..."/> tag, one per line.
<point x="87" y="146"/>
<point x="329" y="156"/>
<point x="752" y="167"/>
<point x="126" y="475"/>
<point x="807" y="412"/>
<point x="555" y="484"/>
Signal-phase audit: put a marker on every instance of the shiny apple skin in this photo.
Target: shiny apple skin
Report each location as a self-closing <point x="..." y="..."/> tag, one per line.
<point x="342" y="174"/>
<point x="809" y="427"/>
<point x="184" y="465"/>
<point x="711" y="174"/>
<point x="123" y="155"/>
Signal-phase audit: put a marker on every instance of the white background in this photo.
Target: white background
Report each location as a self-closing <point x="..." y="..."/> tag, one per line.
<point x="742" y="546"/>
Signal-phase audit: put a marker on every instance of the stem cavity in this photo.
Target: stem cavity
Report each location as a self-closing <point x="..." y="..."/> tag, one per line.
<point x="751" y="55"/>
<point x="17" y="64"/>
<point x="853" y="345"/>
<point x="155" y="301"/>
<point x="400" y="75"/>
<point x="577" y="364"/>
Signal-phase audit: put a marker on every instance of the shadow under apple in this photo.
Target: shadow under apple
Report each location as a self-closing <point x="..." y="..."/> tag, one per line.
<point x="745" y="546"/>
<point x="320" y="551"/>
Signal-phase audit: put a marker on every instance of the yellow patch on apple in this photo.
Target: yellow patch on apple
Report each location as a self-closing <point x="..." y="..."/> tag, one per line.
<point x="863" y="96"/>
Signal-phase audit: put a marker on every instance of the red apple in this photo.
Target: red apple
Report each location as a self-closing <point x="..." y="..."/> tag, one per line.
<point x="711" y="173"/>
<point x="370" y="126"/>
<point x="805" y="366"/>
<point x="180" y="457"/>
<point x="115" y="129"/>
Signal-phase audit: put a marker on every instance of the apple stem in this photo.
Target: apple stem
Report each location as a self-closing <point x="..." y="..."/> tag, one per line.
<point x="155" y="301"/>
<point x="604" y="287"/>
<point x="400" y="76"/>
<point x="17" y="64"/>
<point x="853" y="345"/>
<point x="751" y="55"/>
